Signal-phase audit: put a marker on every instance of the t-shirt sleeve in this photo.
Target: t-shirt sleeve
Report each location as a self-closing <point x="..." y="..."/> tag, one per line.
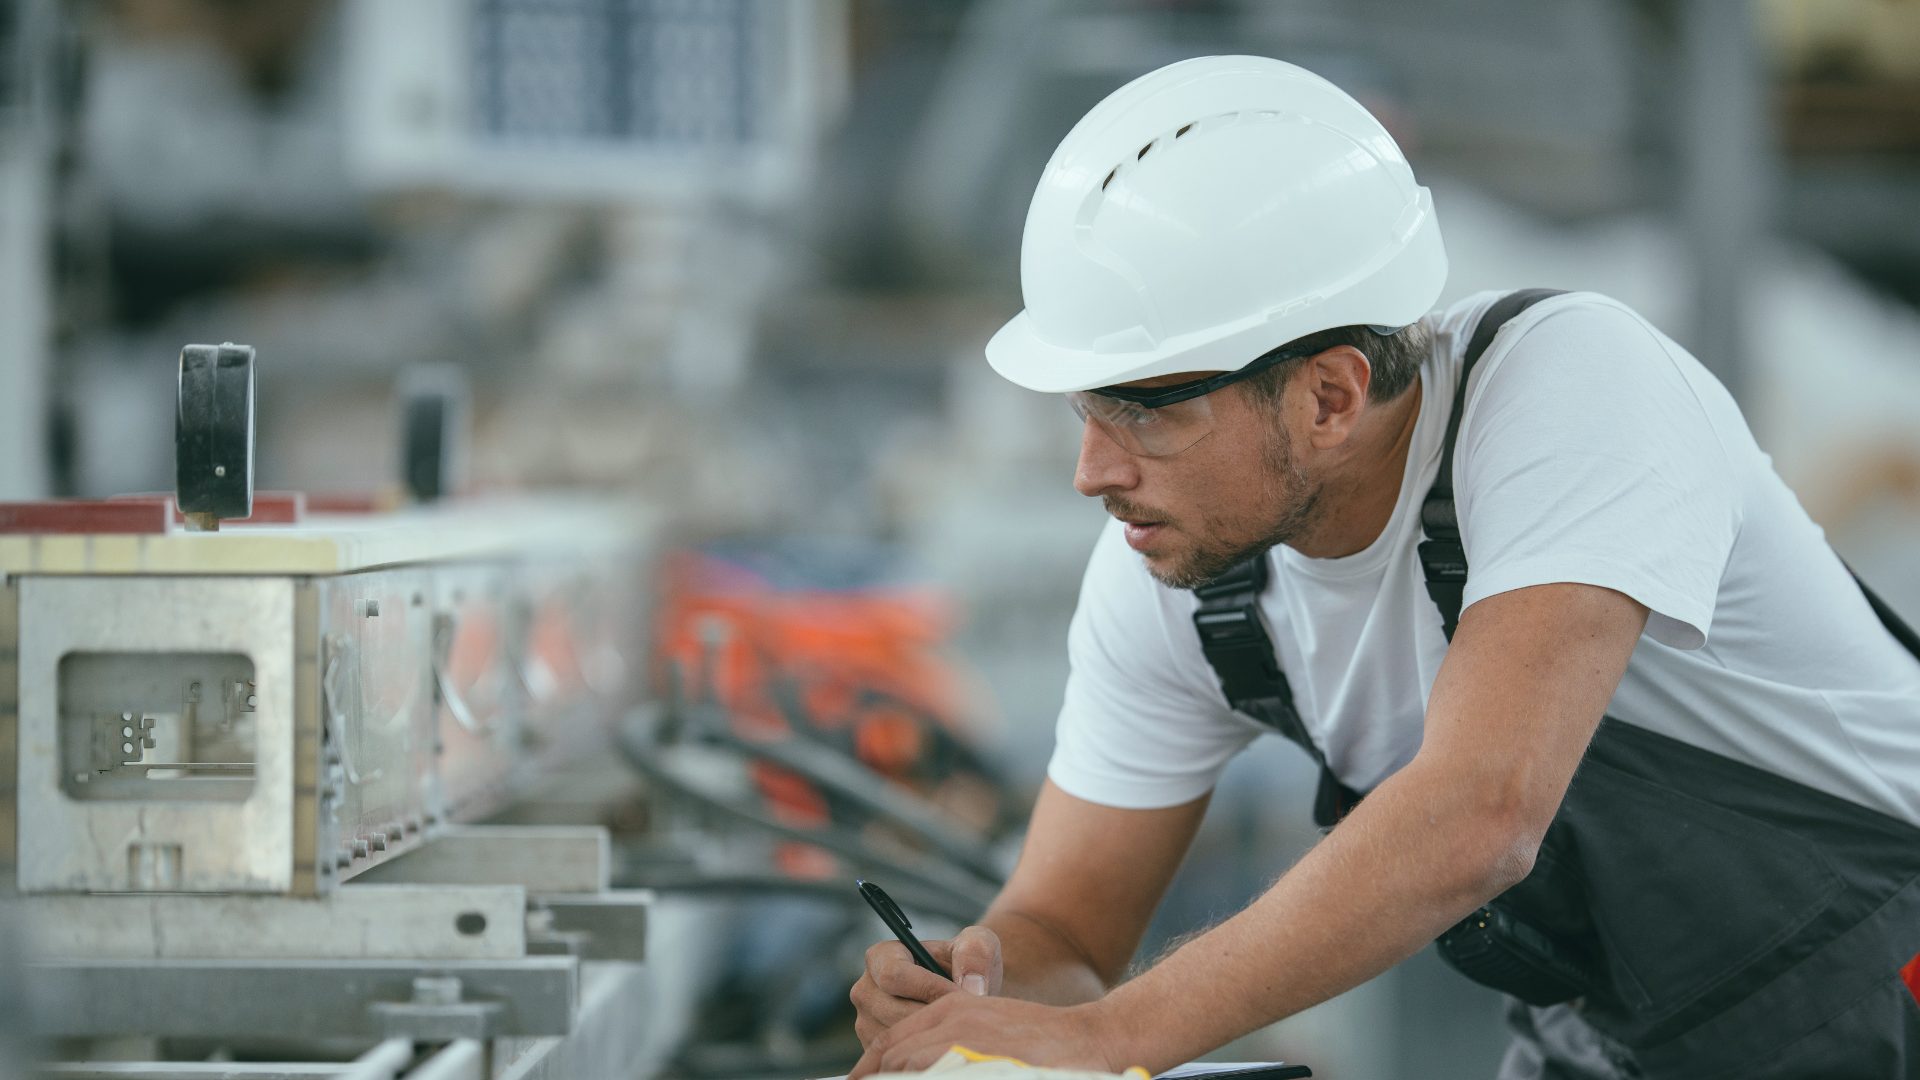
<point x="1142" y="726"/>
<point x="1586" y="455"/>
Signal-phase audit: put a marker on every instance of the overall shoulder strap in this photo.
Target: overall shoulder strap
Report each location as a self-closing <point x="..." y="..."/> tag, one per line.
<point x="1889" y="618"/>
<point x="1233" y="635"/>
<point x="1442" y="555"/>
<point x="1234" y="638"/>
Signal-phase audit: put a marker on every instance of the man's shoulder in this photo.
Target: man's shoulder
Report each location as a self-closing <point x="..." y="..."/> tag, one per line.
<point x="1578" y="351"/>
<point x="1458" y="319"/>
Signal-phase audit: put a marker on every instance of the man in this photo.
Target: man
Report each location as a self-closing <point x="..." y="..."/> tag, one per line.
<point x="1229" y="270"/>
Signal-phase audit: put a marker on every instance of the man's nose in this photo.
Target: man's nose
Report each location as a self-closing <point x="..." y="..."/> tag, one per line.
<point x="1103" y="466"/>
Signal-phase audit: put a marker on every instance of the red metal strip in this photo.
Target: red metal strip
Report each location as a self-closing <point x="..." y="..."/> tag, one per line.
<point x="269" y="507"/>
<point x="80" y="516"/>
<point x="349" y="502"/>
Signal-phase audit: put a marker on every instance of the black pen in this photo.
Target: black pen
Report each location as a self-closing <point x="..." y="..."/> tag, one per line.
<point x="896" y="921"/>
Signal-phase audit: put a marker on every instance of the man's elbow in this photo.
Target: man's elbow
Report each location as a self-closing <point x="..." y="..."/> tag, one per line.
<point x="1510" y="862"/>
<point x="1489" y="825"/>
<point x="1506" y="837"/>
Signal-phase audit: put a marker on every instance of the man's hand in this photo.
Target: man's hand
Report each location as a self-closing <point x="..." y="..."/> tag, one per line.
<point x="1069" y="1037"/>
<point x="895" y="988"/>
<point x="1069" y="918"/>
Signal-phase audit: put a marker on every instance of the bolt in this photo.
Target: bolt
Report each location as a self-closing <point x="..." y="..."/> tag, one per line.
<point x="378" y="840"/>
<point x="436" y="990"/>
<point x="359" y="849"/>
<point x="219" y="470"/>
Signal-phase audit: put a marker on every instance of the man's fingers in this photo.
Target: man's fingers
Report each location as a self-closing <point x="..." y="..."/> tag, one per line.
<point x="912" y="1055"/>
<point x="865" y="1030"/>
<point x="941" y="951"/>
<point x="873" y="1060"/>
<point x="976" y="960"/>
<point x="894" y="972"/>
<point x="885" y="952"/>
<point x="892" y="990"/>
<point x="868" y="1064"/>
<point x="881" y="1008"/>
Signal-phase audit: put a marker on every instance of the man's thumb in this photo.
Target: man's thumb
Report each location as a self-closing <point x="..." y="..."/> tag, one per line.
<point x="976" y="960"/>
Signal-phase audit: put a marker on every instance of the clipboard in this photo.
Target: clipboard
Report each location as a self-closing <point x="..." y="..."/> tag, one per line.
<point x="1236" y="1070"/>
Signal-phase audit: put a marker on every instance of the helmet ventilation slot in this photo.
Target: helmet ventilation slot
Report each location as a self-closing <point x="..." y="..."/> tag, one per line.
<point x="1205" y="123"/>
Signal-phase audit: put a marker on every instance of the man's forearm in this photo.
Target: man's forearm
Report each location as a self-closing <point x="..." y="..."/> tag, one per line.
<point x="1414" y="858"/>
<point x="1041" y="963"/>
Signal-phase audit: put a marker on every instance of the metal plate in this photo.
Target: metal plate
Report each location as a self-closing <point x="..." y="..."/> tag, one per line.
<point x="70" y="845"/>
<point x="376" y="701"/>
<point x="320" y="998"/>
<point x="451" y="922"/>
<point x="543" y="858"/>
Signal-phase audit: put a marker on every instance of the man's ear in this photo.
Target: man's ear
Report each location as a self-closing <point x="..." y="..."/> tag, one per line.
<point x="1334" y="383"/>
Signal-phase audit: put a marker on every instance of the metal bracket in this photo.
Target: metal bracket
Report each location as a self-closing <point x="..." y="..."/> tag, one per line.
<point x="606" y="926"/>
<point x="437" y="1013"/>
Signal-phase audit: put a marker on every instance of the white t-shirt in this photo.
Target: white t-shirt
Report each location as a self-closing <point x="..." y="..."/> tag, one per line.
<point x="1595" y="450"/>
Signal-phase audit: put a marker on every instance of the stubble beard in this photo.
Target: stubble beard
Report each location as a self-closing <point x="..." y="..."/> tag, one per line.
<point x="1284" y="485"/>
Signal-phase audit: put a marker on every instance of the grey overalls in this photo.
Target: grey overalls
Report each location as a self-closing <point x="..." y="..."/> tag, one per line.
<point x="1688" y="916"/>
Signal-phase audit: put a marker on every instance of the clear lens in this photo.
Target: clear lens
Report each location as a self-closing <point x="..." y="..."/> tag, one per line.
<point x="1137" y="429"/>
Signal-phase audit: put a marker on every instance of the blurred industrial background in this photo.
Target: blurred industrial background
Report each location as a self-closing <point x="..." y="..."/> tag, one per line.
<point x="733" y="262"/>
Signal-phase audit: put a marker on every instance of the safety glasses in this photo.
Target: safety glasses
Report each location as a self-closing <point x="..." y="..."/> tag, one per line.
<point x="1161" y="421"/>
<point x="1142" y="430"/>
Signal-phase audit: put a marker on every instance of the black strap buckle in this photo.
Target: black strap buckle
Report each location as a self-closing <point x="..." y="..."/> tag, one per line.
<point x="1444" y="561"/>
<point x="1229" y="628"/>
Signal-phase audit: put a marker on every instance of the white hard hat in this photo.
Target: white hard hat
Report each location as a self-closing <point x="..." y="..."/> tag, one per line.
<point x="1206" y="213"/>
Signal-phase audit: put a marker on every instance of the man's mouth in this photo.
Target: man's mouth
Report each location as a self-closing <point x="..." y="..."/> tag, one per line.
<point x="1140" y="532"/>
<point x="1141" y="529"/>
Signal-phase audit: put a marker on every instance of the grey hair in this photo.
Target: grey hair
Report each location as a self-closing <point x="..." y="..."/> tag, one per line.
<point x="1395" y="358"/>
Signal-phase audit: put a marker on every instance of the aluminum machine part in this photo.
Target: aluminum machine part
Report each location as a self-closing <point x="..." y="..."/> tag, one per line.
<point x="281" y="732"/>
<point x="274" y="708"/>
<point x="218" y="714"/>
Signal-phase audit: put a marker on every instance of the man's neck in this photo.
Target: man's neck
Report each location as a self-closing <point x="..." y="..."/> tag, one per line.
<point x="1357" y="506"/>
